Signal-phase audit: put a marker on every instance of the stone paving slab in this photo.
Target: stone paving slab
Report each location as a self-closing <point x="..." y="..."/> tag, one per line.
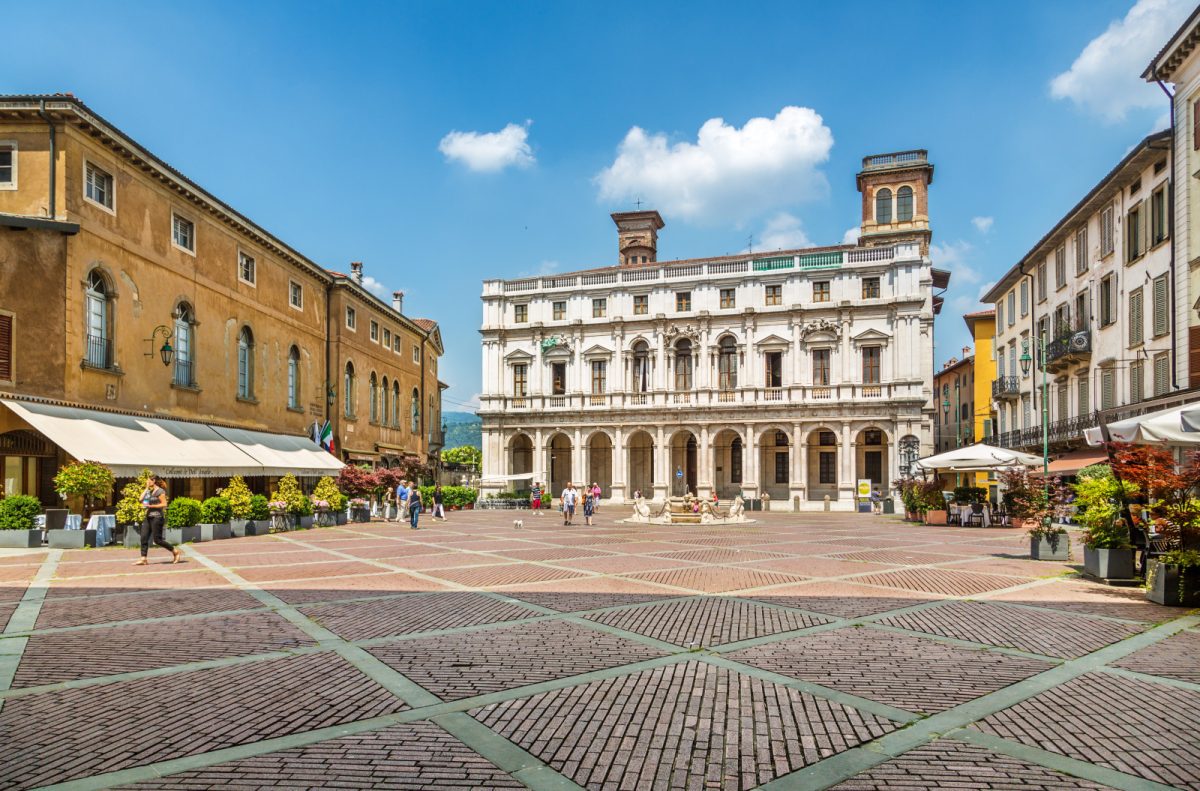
<point x="135" y="606"/>
<point x="941" y="581"/>
<point x="706" y="621"/>
<point x="1136" y="727"/>
<point x="910" y="673"/>
<point x="1176" y="657"/>
<point x="685" y="726"/>
<point x="1090" y="598"/>
<point x="411" y="614"/>
<point x="475" y="663"/>
<point x="958" y="765"/>
<point x="505" y="574"/>
<point x="378" y="583"/>
<point x="1047" y="633"/>
<point x="716" y="579"/>
<point x="839" y="600"/>
<point x="58" y="736"/>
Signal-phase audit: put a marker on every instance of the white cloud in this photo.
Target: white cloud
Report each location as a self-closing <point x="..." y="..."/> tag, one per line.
<point x="851" y="235"/>
<point x="983" y="224"/>
<point x="985" y="288"/>
<point x="489" y="152"/>
<point x="952" y="256"/>
<point x="1105" y="79"/>
<point x="728" y="173"/>
<point x="376" y="288"/>
<point x="546" y="267"/>
<point x="782" y="232"/>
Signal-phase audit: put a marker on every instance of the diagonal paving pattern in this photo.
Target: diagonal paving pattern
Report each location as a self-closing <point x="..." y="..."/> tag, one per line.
<point x="804" y="651"/>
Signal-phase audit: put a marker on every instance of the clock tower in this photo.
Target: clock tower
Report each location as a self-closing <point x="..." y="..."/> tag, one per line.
<point x="637" y="236"/>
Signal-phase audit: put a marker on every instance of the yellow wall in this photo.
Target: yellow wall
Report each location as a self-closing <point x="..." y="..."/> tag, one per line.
<point x="983" y="330"/>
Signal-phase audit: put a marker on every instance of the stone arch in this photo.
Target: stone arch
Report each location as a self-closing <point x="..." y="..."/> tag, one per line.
<point x="559" y="450"/>
<point x="599" y="447"/>
<point x="775" y="448"/>
<point x="639" y="446"/>
<point x="824" y="463"/>
<point x="520" y="455"/>
<point x="729" y="462"/>
<point x="872" y="457"/>
<point x="683" y="445"/>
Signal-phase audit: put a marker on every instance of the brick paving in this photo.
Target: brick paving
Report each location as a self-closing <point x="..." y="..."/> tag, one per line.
<point x="663" y="657"/>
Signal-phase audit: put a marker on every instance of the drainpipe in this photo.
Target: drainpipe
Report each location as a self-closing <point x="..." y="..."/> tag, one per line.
<point x="423" y="411"/>
<point x="1170" y="208"/>
<point x="53" y="154"/>
<point x="328" y="349"/>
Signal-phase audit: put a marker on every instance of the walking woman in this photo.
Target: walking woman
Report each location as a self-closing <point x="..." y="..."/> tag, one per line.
<point x="154" y="499"/>
<point x="414" y="505"/>
<point x="589" y="506"/>
<point x="439" y="510"/>
<point x="535" y="499"/>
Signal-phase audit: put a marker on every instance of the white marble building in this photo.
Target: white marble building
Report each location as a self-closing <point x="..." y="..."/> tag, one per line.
<point x="794" y="372"/>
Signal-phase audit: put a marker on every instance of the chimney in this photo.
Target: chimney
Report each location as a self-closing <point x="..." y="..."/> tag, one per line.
<point x="966" y="352"/>
<point x="637" y="236"/>
<point x="398" y="301"/>
<point x="356" y="271"/>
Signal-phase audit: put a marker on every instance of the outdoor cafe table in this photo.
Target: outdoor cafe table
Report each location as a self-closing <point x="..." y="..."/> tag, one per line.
<point x="961" y="512"/>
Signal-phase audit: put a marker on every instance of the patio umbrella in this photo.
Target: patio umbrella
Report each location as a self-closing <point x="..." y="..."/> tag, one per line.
<point x="1166" y="427"/>
<point x="978" y="458"/>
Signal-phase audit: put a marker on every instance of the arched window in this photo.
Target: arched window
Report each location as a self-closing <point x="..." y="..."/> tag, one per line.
<point x="294" y="378"/>
<point x="99" y="320"/>
<point x="185" y="372"/>
<point x="904" y="204"/>
<point x="385" y="406"/>
<point x="348" y="391"/>
<point x="245" y="371"/>
<point x="883" y="206"/>
<point x="727" y="364"/>
<point x="735" y="461"/>
<point x="641" y="367"/>
<point x="416" y="411"/>
<point x="374" y="391"/>
<point x="396" y="403"/>
<point x="683" y="365"/>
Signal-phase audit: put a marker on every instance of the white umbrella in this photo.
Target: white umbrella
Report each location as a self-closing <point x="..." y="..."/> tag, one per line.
<point x="1166" y="427"/>
<point x="978" y="458"/>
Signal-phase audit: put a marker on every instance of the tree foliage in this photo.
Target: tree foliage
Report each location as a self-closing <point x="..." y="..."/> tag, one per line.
<point x="463" y="454"/>
<point x="130" y="510"/>
<point x="239" y="497"/>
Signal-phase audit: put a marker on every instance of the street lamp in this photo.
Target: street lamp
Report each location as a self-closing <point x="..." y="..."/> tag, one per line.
<point x="945" y="407"/>
<point x="958" y="413"/>
<point x="166" y="352"/>
<point x="1026" y="361"/>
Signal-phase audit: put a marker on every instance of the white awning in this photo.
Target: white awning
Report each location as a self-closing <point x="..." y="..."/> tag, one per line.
<point x="977" y="458"/>
<point x="1165" y="427"/>
<point x="128" y="444"/>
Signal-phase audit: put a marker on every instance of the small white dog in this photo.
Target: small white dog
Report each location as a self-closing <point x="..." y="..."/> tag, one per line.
<point x="518" y="524"/>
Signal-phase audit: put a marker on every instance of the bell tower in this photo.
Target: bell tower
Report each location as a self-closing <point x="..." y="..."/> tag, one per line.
<point x="637" y="236"/>
<point x="895" y="198"/>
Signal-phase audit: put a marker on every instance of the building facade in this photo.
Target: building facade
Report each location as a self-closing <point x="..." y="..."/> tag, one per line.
<point x="109" y="258"/>
<point x="794" y="373"/>
<point x="1096" y="292"/>
<point x="954" y="393"/>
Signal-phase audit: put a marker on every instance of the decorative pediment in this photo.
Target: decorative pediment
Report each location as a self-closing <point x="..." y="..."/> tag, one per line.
<point x="871" y="336"/>
<point x="675" y="333"/>
<point x="773" y="341"/>
<point x="597" y="352"/>
<point x="518" y="356"/>
<point x="821" y="330"/>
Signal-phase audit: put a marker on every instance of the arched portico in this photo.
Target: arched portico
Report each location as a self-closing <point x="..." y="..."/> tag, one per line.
<point x="683" y="471"/>
<point x="822" y="473"/>
<point x="871" y="451"/>
<point x="775" y="463"/>
<point x="729" y="457"/>
<point x="559" y="457"/>
<point x="520" y="457"/>
<point x="599" y="462"/>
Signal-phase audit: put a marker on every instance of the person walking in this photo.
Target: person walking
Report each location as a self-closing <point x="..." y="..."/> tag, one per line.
<point x="154" y="500"/>
<point x="439" y="511"/>
<point x="589" y="507"/>
<point x="414" y="505"/>
<point x="535" y="499"/>
<point x="568" y="503"/>
<point x="595" y="496"/>
<point x="402" y="501"/>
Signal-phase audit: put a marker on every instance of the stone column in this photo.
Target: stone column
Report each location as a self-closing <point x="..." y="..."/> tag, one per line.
<point x="846" y="476"/>
<point x="620" y="473"/>
<point x="796" y="482"/>
<point x="752" y="480"/>
<point x="578" y="458"/>
<point x="662" y="464"/>
<point x="705" y="472"/>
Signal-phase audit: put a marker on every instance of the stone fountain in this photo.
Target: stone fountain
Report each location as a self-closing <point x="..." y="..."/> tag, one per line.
<point x="688" y="510"/>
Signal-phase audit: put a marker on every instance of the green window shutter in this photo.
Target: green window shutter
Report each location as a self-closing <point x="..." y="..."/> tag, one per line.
<point x="1136" y="317"/>
<point x="1085" y="405"/>
<point x="1161" y="314"/>
<point x="1136" y="383"/>
<point x="1106" y="389"/>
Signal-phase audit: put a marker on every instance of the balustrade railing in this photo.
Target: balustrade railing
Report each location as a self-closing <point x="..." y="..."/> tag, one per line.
<point x="773" y="394"/>
<point x="98" y="352"/>
<point x="872" y="391"/>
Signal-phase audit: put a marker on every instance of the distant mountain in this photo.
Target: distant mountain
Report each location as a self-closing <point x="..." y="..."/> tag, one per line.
<point x="463" y="428"/>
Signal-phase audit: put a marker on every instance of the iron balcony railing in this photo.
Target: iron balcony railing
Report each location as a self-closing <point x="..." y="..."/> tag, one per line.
<point x="1064" y="430"/>
<point x="183" y="373"/>
<point x="1075" y="344"/>
<point x="99" y="352"/>
<point x="1005" y="386"/>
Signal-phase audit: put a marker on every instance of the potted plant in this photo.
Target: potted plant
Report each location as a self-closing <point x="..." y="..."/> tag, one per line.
<point x="260" y="516"/>
<point x="90" y="481"/>
<point x="215" y="513"/>
<point x="932" y="502"/>
<point x="341" y="506"/>
<point x="16" y="522"/>
<point x="130" y="512"/>
<point x="360" y="510"/>
<point x="238" y="495"/>
<point x="302" y="515"/>
<point x="183" y="518"/>
<point x="325" y="500"/>
<point x="1031" y="506"/>
<point x="280" y="521"/>
<point x="1172" y="508"/>
<point x="1107" y="553"/>
<point x="295" y="502"/>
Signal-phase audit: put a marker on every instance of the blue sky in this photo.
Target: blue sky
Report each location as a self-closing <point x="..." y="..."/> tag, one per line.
<point x="331" y="124"/>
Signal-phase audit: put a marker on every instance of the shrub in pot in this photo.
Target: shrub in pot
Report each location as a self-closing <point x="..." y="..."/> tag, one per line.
<point x="215" y="514"/>
<point x="89" y="480"/>
<point x="259" y="523"/>
<point x="1174" y="578"/>
<point x="238" y="495"/>
<point x="183" y="518"/>
<point x="130" y="514"/>
<point x="1031" y="503"/>
<point x="326" y="498"/>
<point x="1107" y="553"/>
<point x="16" y="522"/>
<point x="931" y="502"/>
<point x="296" y="503"/>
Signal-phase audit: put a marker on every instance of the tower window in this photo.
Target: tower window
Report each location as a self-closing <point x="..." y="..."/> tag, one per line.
<point x="883" y="206"/>
<point x="904" y="204"/>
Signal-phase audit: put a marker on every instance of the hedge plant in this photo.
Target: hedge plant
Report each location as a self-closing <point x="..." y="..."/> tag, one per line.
<point x="237" y="493"/>
<point x="216" y="511"/>
<point x="259" y="510"/>
<point x="289" y="492"/>
<point x="130" y="510"/>
<point x="18" y="511"/>
<point x="183" y="512"/>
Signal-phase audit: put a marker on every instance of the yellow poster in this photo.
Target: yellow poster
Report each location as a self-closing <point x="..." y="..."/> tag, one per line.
<point x="864" y="488"/>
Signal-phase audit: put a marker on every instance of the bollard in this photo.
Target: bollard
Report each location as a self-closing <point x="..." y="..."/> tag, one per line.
<point x="826" y="502"/>
<point x="796" y="502"/>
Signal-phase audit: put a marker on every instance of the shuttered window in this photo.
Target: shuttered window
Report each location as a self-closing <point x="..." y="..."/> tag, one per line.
<point x="1133" y="233"/>
<point x="1061" y="406"/>
<point x="1193" y="356"/>
<point x="1107" y="220"/>
<point x="1024" y="297"/>
<point x="6" y="347"/>
<point x="1196" y="125"/>
<point x="1085" y="398"/>
<point x="1041" y="282"/>
<point x="1108" y="307"/>
<point x="1106" y="388"/>
<point x="1137" y="386"/>
<point x="1161" y="316"/>
<point x="1137" y="319"/>
<point x="1081" y="251"/>
<point x="1162" y="373"/>
<point x="1060" y="267"/>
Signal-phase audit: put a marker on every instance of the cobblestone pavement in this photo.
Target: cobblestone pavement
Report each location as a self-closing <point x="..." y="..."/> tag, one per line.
<point x="804" y="651"/>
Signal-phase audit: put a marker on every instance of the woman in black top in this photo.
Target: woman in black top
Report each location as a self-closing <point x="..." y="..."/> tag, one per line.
<point x="439" y="512"/>
<point x="154" y="498"/>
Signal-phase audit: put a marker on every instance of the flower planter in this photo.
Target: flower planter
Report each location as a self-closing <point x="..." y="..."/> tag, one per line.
<point x="935" y="517"/>
<point x="206" y="531"/>
<point x="56" y="518"/>
<point x="71" y="539"/>
<point x="258" y="527"/>
<point x="1056" y="546"/>
<point x="324" y="518"/>
<point x="20" y="539"/>
<point x="237" y="527"/>
<point x="339" y="518"/>
<point x="306" y="522"/>
<point x="1163" y="584"/>
<point x="360" y="515"/>
<point x="280" y="523"/>
<point x="1108" y="564"/>
<point x="469" y="506"/>
<point x="133" y="536"/>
